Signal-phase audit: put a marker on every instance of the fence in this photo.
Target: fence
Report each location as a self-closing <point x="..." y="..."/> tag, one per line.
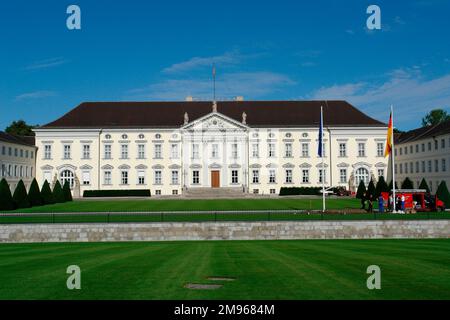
<point x="206" y="216"/>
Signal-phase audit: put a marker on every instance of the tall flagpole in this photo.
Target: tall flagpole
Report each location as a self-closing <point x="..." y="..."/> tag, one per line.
<point x="393" y="160"/>
<point x="321" y="155"/>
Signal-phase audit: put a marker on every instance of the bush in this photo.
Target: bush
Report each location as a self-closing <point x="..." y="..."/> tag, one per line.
<point x="34" y="195"/>
<point x="20" y="196"/>
<point x="294" y="191"/>
<point x="381" y="187"/>
<point x="390" y="186"/>
<point x="116" y="193"/>
<point x="360" y="193"/>
<point x="58" y="194"/>
<point x="6" y="200"/>
<point x="407" y="184"/>
<point x="66" y="192"/>
<point x="46" y="194"/>
<point x="443" y="194"/>
<point x="371" y="190"/>
<point x="424" y="185"/>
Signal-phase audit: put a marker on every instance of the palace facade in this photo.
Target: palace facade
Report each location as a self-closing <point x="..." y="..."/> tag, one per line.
<point x="171" y="147"/>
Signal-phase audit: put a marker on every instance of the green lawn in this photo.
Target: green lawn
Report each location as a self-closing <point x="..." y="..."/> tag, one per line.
<point x="307" y="269"/>
<point x="194" y="205"/>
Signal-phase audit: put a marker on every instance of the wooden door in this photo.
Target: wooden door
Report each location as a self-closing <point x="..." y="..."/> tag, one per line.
<point x="215" y="179"/>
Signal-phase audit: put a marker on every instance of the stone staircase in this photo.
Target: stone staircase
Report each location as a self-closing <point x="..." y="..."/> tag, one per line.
<point x="213" y="193"/>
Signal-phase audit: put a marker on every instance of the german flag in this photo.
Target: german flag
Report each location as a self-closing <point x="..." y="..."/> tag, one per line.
<point x="389" y="137"/>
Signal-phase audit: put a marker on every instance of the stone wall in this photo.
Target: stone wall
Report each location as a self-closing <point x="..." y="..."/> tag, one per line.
<point x="170" y="231"/>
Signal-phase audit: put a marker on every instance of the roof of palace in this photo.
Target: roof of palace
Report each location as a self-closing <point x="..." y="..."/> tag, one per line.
<point x="424" y="132"/>
<point x="23" y="140"/>
<point x="171" y="114"/>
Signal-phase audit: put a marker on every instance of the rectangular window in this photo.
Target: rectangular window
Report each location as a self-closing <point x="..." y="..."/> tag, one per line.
<point x="107" y="177"/>
<point x="417" y="148"/>
<point x="195" y="177"/>
<point x="444" y="165"/>
<point x="436" y="144"/>
<point x="271" y="150"/>
<point x="234" y="176"/>
<point x="417" y="166"/>
<point x="86" y="177"/>
<point x="436" y="165"/>
<point x="86" y="151"/>
<point x="234" y="150"/>
<point x="406" y="168"/>
<point x="255" y="176"/>
<point x="406" y="150"/>
<point x="272" y="176"/>
<point x="411" y="149"/>
<point x="107" y="151"/>
<point x="342" y="149"/>
<point x="272" y="191"/>
<point x="322" y="175"/>
<point x="429" y="146"/>
<point x="305" y="176"/>
<point x="423" y="147"/>
<point x="380" y="173"/>
<point x="361" y="149"/>
<point x="124" y="177"/>
<point x="305" y="150"/>
<point x="141" y="151"/>
<point x="343" y="175"/>
<point x="288" y="150"/>
<point x="26" y="154"/>
<point x="288" y="176"/>
<point x="255" y="150"/>
<point x="3" y="150"/>
<point x="174" y="151"/>
<point x="21" y="153"/>
<point x="430" y="168"/>
<point x="47" y="151"/>
<point x="124" y="151"/>
<point x="423" y="166"/>
<point x="158" y="176"/>
<point x="442" y="143"/>
<point x="174" y="176"/>
<point x="158" y="151"/>
<point x="195" y="152"/>
<point x="214" y="150"/>
<point x="380" y="149"/>
<point x="141" y="177"/>
<point x="66" y="151"/>
<point x="174" y="192"/>
<point x="401" y="168"/>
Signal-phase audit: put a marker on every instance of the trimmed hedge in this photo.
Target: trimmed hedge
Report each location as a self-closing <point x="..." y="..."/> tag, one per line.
<point x="66" y="191"/>
<point x="116" y="193"/>
<point x="20" y="196"/>
<point x="34" y="194"/>
<point x="46" y="194"/>
<point x="58" y="194"/>
<point x="294" y="191"/>
<point x="6" y="199"/>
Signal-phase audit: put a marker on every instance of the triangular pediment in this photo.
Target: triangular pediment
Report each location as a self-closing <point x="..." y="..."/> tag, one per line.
<point x="215" y="121"/>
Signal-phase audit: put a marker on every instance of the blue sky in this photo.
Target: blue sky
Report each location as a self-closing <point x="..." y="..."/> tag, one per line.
<point x="263" y="50"/>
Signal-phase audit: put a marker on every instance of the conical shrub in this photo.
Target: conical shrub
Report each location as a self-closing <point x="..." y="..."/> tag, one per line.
<point x="46" y="194"/>
<point x="58" y="193"/>
<point x="34" y="194"/>
<point x="6" y="200"/>
<point x="424" y="185"/>
<point x="20" y="196"/>
<point x="443" y="194"/>
<point x="360" y="193"/>
<point x="66" y="192"/>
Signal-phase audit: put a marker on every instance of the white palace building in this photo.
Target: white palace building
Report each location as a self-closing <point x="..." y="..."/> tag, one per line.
<point x="173" y="147"/>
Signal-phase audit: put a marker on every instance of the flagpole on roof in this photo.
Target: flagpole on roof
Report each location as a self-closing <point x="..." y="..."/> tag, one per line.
<point x="214" y="81"/>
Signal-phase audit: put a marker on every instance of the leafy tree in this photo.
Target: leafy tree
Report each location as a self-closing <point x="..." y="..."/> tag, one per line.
<point x="407" y="184"/>
<point x="58" y="193"/>
<point x="381" y="187"/>
<point x="434" y="117"/>
<point x="6" y="200"/>
<point x="34" y="194"/>
<point x="424" y="185"/>
<point x="443" y="194"/>
<point x="20" y="196"/>
<point x="20" y="128"/>
<point x="361" y="190"/>
<point x="66" y="192"/>
<point x="371" y="190"/>
<point x="46" y="194"/>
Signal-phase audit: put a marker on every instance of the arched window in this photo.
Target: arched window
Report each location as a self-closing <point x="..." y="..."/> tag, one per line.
<point x="67" y="175"/>
<point x="362" y="174"/>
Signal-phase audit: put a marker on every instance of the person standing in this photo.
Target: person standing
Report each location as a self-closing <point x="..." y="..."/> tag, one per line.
<point x="403" y="203"/>
<point x="380" y="204"/>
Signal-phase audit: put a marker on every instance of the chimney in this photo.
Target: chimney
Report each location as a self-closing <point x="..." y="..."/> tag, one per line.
<point x="239" y="98"/>
<point x="189" y="99"/>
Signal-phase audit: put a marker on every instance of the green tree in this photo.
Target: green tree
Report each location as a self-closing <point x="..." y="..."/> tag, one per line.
<point x="34" y="194"/>
<point x="381" y="187"/>
<point x="20" y="196"/>
<point x="46" y="194"/>
<point x="360" y="193"/>
<point x="407" y="184"/>
<point x="58" y="193"/>
<point x="20" y="128"/>
<point x="371" y="190"/>
<point x="424" y="185"/>
<point x="443" y="194"/>
<point x="434" y="117"/>
<point x="66" y="192"/>
<point x="6" y="200"/>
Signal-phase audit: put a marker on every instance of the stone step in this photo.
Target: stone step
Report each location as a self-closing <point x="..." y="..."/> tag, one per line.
<point x="214" y="192"/>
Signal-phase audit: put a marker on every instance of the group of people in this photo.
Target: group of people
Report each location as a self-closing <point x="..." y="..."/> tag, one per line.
<point x="399" y="203"/>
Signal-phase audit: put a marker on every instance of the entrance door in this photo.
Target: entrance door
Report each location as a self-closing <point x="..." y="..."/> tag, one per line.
<point x="215" y="179"/>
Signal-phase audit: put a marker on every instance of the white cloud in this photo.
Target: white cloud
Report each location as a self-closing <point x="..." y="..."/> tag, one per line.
<point x="35" y="95"/>
<point x="44" y="64"/>
<point x="407" y="89"/>
<point x="248" y="84"/>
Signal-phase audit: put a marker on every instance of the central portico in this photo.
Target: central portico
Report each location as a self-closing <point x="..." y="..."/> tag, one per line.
<point x="215" y="152"/>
